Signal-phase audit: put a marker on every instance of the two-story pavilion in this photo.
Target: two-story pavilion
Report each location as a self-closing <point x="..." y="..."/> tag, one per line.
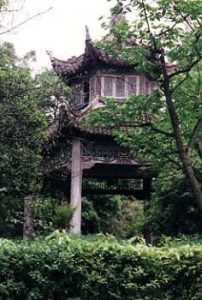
<point x="89" y="159"/>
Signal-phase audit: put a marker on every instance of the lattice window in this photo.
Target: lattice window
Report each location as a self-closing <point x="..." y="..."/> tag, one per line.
<point x="150" y="86"/>
<point x="108" y="86"/>
<point x="154" y="86"/>
<point x="132" y="85"/>
<point x="98" y="85"/>
<point x="147" y="87"/>
<point x="78" y="93"/>
<point x="120" y="87"/>
<point x="92" y="88"/>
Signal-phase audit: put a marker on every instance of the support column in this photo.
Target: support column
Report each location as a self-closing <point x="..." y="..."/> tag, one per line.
<point x="76" y="187"/>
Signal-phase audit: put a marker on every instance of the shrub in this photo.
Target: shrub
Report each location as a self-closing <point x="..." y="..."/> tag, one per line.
<point x="172" y="211"/>
<point x="64" y="268"/>
<point x="11" y="215"/>
<point x="118" y="215"/>
<point x="50" y="215"/>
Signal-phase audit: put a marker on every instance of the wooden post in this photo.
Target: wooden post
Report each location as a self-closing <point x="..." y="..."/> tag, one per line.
<point x="76" y="187"/>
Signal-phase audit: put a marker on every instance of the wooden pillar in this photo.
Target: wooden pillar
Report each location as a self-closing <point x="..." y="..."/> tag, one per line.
<point x="76" y="187"/>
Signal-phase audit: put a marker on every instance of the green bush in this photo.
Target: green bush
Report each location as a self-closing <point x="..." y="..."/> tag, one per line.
<point x="172" y="210"/>
<point x="120" y="216"/>
<point x="64" y="268"/>
<point x="11" y="215"/>
<point x="50" y="215"/>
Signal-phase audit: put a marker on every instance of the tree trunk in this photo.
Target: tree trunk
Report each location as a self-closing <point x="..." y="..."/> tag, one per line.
<point x="28" y="226"/>
<point x="195" y="185"/>
<point x="185" y="159"/>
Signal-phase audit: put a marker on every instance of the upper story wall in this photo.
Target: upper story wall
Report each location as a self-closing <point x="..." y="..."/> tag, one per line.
<point x="119" y="86"/>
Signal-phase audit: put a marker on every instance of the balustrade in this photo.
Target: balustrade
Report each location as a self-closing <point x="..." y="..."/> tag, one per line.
<point x="104" y="151"/>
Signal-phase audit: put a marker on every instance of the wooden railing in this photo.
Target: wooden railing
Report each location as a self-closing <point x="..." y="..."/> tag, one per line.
<point x="105" y="150"/>
<point x="113" y="184"/>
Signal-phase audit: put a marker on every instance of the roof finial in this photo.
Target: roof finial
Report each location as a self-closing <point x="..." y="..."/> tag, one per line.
<point x="87" y="34"/>
<point x="50" y="53"/>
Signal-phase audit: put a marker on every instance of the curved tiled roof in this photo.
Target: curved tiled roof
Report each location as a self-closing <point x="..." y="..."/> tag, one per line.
<point x="93" y="55"/>
<point x="77" y="64"/>
<point x="67" y="67"/>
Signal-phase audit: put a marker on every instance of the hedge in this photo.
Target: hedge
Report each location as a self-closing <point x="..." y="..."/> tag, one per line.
<point x="63" y="268"/>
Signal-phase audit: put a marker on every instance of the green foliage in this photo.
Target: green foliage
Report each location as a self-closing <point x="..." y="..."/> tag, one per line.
<point x="51" y="91"/>
<point x="130" y="221"/>
<point x="63" y="214"/>
<point x="22" y="126"/>
<point x="90" y="218"/>
<point x="172" y="210"/>
<point x="181" y="240"/>
<point x="152" y="139"/>
<point x="108" y="209"/>
<point x="50" y="215"/>
<point x="11" y="215"/>
<point x="24" y="104"/>
<point x="117" y="215"/>
<point x="165" y="126"/>
<point x="65" y="268"/>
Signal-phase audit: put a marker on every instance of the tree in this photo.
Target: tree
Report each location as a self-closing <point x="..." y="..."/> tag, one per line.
<point x="26" y="103"/>
<point x="22" y="128"/>
<point x="8" y="8"/>
<point x="164" y="41"/>
<point x="171" y="211"/>
<point x="22" y="125"/>
<point x="52" y="92"/>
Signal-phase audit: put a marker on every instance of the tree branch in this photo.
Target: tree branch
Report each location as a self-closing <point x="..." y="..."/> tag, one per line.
<point x="185" y="70"/>
<point x="9" y="10"/>
<point x="25" y="21"/>
<point x="199" y="79"/>
<point x="167" y="30"/>
<point x="155" y="129"/>
<point x="199" y="149"/>
<point x="148" y="25"/>
<point x="179" y="83"/>
<point x="176" y="163"/>
<point x="183" y="17"/>
<point x="199" y="23"/>
<point x="193" y="137"/>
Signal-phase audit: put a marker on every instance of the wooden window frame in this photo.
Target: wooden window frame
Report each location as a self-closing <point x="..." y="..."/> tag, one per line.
<point x="78" y="87"/>
<point x="126" y="90"/>
<point x="143" y="86"/>
<point x="92" y="88"/>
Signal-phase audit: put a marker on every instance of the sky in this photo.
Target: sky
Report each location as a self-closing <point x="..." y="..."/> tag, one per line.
<point x="60" y="30"/>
